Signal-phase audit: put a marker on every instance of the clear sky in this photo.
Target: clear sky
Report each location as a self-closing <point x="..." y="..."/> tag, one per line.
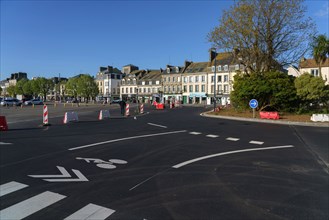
<point x="48" y="38"/>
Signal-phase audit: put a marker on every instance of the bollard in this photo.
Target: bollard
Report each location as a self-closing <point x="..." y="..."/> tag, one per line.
<point x="127" y="110"/>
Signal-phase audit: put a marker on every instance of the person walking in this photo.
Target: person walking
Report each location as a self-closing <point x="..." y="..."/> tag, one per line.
<point x="122" y="107"/>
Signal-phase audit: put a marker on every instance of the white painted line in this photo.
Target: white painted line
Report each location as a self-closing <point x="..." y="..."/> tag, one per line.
<point x="127" y="138"/>
<point x="11" y="187"/>
<point x="195" y="133"/>
<point x="3" y="143"/>
<point x="91" y="211"/>
<point x="232" y="139"/>
<point x="256" y="142"/>
<point x="30" y="206"/>
<point x="212" y="136"/>
<point x="161" y="126"/>
<point x="63" y="171"/>
<point x="226" y="153"/>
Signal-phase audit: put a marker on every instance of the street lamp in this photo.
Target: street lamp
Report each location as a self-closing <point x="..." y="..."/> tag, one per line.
<point x="214" y="49"/>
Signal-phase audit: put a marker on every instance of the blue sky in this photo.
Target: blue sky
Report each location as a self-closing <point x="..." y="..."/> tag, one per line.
<point x="48" y="38"/>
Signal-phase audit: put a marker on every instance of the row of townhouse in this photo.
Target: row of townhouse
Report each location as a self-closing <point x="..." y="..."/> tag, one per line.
<point x="192" y="83"/>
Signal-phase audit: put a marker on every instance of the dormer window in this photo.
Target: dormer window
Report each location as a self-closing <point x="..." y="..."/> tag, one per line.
<point x="213" y="69"/>
<point x="237" y="67"/>
<point x="219" y="68"/>
<point x="226" y="68"/>
<point x="177" y="69"/>
<point x="168" y="70"/>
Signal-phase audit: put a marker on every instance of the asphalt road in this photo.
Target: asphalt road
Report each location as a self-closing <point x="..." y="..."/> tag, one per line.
<point x="164" y="164"/>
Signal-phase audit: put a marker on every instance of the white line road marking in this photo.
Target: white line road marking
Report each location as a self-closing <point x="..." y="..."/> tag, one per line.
<point x="161" y="126"/>
<point x="91" y="211"/>
<point x="226" y="153"/>
<point x="212" y="136"/>
<point x="195" y="133"/>
<point x="256" y="142"/>
<point x="11" y="187"/>
<point x="127" y="138"/>
<point x="3" y="143"/>
<point x="30" y="206"/>
<point x="232" y="139"/>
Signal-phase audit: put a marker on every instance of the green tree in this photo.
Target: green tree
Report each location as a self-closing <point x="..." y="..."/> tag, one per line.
<point x="72" y="87"/>
<point x="45" y="86"/>
<point x="320" y="50"/>
<point x="86" y="87"/>
<point x="311" y="91"/>
<point x="273" y="88"/>
<point x="11" y="91"/>
<point x="19" y="86"/>
<point x="27" y="88"/>
<point x="264" y="35"/>
<point x="35" y="88"/>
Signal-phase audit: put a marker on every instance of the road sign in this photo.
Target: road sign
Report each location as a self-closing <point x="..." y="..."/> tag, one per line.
<point x="253" y="103"/>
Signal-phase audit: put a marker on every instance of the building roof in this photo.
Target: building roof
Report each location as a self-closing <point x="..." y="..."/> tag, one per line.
<point x="197" y="67"/>
<point x="310" y="63"/>
<point x="225" y="58"/>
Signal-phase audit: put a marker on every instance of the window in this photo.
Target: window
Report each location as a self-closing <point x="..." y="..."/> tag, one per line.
<point x="173" y="89"/>
<point x="143" y="83"/>
<point x="118" y="77"/>
<point x="114" y="91"/>
<point x="118" y="90"/>
<point x="144" y="90"/>
<point x="123" y="90"/>
<point x="191" y="89"/>
<point x="237" y="66"/>
<point x="203" y="88"/>
<point x="212" y="78"/>
<point x="126" y="90"/>
<point x="191" y="79"/>
<point x="225" y="88"/>
<point x="173" y="79"/>
<point x="169" y="89"/>
<point x="149" y="90"/>
<point x="315" y="72"/>
<point x="185" y="79"/>
<point x="157" y="82"/>
<point x="165" y="89"/>
<point x="219" y="89"/>
<point x="128" y="82"/>
<point x="226" y="68"/>
<point x="219" y="68"/>
<point x="212" y="89"/>
<point x="196" y="88"/>
<point x="134" y="81"/>
<point x="150" y="82"/>
<point x="164" y="79"/>
<point x="112" y="76"/>
<point x="135" y="90"/>
<point x="177" y="69"/>
<point x="185" y="89"/>
<point x="225" y="78"/>
<point x="219" y="78"/>
<point x="169" y="79"/>
<point x="131" y="90"/>
<point x="140" y="90"/>
<point x="213" y="69"/>
<point x="168" y="70"/>
<point x="178" y="79"/>
<point x="203" y="78"/>
<point x="196" y="78"/>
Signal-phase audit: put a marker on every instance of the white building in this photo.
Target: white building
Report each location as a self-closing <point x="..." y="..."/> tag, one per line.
<point x="310" y="66"/>
<point x="108" y="80"/>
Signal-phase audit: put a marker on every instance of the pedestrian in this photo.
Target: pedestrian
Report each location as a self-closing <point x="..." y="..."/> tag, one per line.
<point x="122" y="107"/>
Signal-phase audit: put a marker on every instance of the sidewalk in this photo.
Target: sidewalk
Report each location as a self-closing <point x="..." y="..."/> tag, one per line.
<point x="312" y="124"/>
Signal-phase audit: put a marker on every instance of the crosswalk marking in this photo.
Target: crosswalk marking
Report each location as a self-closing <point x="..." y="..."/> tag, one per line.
<point x="30" y="206"/>
<point x="232" y="139"/>
<point x="91" y="211"/>
<point x="256" y="142"/>
<point x="212" y="136"/>
<point x="195" y="133"/>
<point x="11" y="187"/>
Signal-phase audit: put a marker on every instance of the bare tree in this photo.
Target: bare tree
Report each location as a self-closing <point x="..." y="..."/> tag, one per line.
<point x="264" y="34"/>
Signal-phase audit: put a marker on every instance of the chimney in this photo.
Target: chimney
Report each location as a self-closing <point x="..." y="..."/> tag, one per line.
<point x="161" y="70"/>
<point x="187" y="63"/>
<point x="101" y="69"/>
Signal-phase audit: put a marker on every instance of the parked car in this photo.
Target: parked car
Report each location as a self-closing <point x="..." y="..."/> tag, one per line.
<point x="33" y="102"/>
<point x="11" y="102"/>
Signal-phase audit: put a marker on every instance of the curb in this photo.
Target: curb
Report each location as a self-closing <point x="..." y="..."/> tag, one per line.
<point x="310" y="124"/>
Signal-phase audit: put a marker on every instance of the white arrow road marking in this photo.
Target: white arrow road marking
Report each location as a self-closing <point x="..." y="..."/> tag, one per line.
<point x="91" y="211"/>
<point x="61" y="169"/>
<point x="28" y="207"/>
<point x="226" y="153"/>
<point x="11" y="187"/>
<point x="81" y="177"/>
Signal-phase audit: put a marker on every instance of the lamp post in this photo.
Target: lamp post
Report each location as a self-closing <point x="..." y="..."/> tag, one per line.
<point x="214" y="49"/>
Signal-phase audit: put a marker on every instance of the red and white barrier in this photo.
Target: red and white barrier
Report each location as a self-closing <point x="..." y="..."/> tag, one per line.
<point x="3" y="123"/>
<point x="45" y="115"/>
<point x="104" y="114"/>
<point x="70" y="116"/>
<point x="127" y="110"/>
<point x="170" y="104"/>
<point x="142" y="109"/>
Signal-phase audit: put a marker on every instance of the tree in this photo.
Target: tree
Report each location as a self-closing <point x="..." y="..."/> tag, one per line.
<point x="273" y="88"/>
<point x="45" y="86"/>
<point x="27" y="88"/>
<point x="11" y="91"/>
<point x="19" y="86"/>
<point x="86" y="87"/>
<point x="311" y="91"/>
<point x="264" y="35"/>
<point x="72" y="87"/>
<point x="320" y="50"/>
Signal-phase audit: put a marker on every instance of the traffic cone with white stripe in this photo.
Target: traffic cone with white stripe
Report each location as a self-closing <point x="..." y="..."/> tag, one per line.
<point x="45" y="116"/>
